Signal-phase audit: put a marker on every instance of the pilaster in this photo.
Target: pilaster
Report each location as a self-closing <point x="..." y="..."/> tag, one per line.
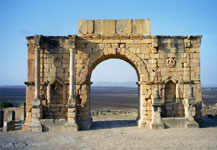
<point x="71" y="124"/>
<point x="35" y="126"/>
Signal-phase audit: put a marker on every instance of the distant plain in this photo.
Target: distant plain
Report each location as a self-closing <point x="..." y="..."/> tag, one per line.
<point x="103" y="97"/>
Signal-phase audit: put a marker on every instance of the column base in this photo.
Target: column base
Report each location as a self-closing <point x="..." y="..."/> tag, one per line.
<point x="192" y="124"/>
<point x="36" y="102"/>
<point x="35" y="126"/>
<point x="71" y="126"/>
<point x="143" y="124"/>
<point x="157" y="125"/>
<point x="25" y="127"/>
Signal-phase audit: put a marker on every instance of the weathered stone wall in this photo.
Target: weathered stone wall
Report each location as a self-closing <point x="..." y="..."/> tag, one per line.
<point x="103" y="27"/>
<point x="157" y="60"/>
<point x="54" y="73"/>
<point x="19" y="113"/>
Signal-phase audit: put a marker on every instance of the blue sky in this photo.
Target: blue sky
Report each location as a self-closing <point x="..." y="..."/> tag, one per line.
<point x="21" y="18"/>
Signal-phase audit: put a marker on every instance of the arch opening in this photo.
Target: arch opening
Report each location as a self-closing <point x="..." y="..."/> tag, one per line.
<point x="114" y="98"/>
<point x="109" y="57"/>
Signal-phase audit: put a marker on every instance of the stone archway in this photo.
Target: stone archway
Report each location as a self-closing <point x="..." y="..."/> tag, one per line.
<point x="155" y="59"/>
<point x="85" y="74"/>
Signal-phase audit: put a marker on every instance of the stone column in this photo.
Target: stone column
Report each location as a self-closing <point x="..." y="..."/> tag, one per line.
<point x="190" y="112"/>
<point x="177" y="93"/>
<point x="156" y="111"/>
<point x="71" y="88"/>
<point x="35" y="126"/>
<point x="37" y="73"/>
<point x="71" y="124"/>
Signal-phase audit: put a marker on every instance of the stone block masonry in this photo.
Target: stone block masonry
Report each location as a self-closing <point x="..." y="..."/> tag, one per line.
<point x="19" y="112"/>
<point x="60" y="67"/>
<point x="103" y="27"/>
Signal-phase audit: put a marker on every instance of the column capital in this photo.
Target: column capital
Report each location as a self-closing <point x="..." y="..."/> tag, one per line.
<point x="72" y="49"/>
<point x="37" y="48"/>
<point x="37" y="42"/>
<point x="84" y="83"/>
<point x="145" y="82"/>
<point x="141" y="83"/>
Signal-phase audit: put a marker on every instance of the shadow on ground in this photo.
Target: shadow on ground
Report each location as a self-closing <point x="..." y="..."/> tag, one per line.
<point x="207" y="122"/>
<point x="113" y="124"/>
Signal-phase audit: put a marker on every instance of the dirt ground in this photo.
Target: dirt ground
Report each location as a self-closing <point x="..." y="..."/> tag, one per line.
<point x="131" y="138"/>
<point x="118" y="134"/>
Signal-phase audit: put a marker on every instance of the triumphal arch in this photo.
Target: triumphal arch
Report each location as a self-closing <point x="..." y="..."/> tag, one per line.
<point x="60" y="67"/>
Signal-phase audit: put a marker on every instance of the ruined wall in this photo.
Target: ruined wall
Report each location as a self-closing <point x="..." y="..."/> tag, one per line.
<point x="19" y="112"/>
<point x="157" y="60"/>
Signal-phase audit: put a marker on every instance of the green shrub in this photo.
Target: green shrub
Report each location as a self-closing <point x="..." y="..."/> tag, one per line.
<point x="5" y="104"/>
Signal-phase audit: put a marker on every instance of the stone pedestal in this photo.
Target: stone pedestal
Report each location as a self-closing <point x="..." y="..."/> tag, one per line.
<point x="156" y="122"/>
<point x="142" y="123"/>
<point x="192" y="124"/>
<point x="190" y="110"/>
<point x="71" y="124"/>
<point x="156" y="118"/>
<point x="35" y="126"/>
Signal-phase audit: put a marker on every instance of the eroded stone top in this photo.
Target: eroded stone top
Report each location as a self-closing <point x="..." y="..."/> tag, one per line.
<point x="128" y="26"/>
